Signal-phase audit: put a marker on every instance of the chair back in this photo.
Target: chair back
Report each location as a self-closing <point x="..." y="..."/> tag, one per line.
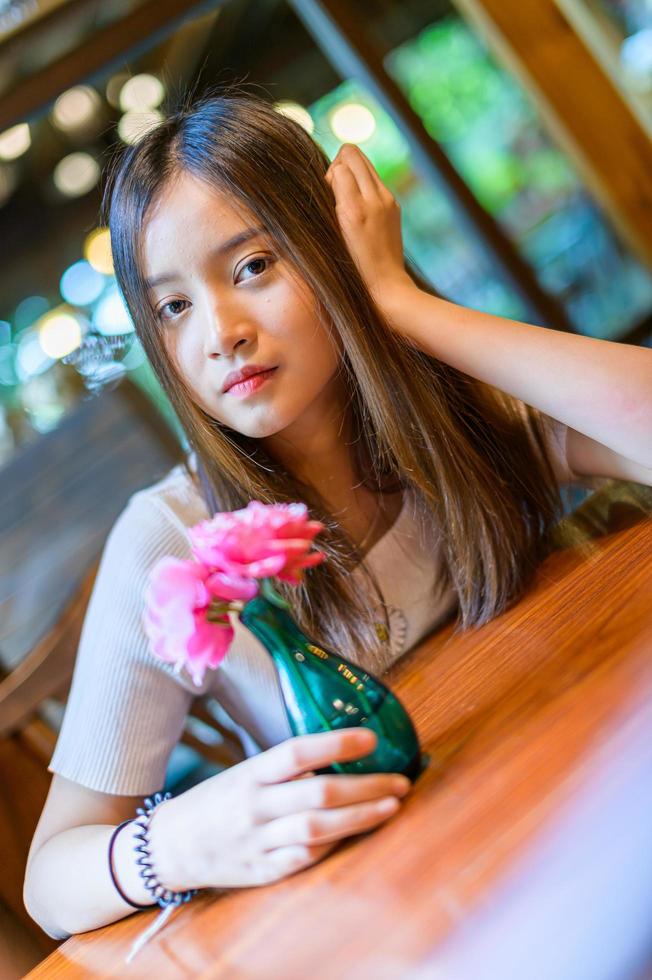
<point x="59" y="497"/>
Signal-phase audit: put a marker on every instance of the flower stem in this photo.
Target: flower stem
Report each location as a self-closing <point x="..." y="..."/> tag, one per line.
<point x="218" y="609"/>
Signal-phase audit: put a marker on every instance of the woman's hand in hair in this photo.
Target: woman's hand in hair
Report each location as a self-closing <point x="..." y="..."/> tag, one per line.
<point x="370" y="219"/>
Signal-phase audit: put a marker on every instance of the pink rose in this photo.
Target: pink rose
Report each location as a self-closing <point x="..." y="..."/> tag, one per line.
<point x="187" y="602"/>
<point x="259" y="541"/>
<point x="177" y="599"/>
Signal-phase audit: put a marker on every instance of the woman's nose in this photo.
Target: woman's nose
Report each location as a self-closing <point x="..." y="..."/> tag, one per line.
<point x="228" y="328"/>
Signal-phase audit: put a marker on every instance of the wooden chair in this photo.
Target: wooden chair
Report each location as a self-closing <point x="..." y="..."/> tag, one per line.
<point x="59" y="497"/>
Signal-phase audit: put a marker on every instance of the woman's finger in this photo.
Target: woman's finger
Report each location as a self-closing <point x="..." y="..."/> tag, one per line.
<point x="345" y="185"/>
<point x="303" y="753"/>
<point x="342" y="789"/>
<point x="365" y="175"/>
<point x="287" y="860"/>
<point x="325" y="826"/>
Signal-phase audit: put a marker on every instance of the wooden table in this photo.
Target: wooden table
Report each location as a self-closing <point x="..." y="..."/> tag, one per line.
<point x="524" y="850"/>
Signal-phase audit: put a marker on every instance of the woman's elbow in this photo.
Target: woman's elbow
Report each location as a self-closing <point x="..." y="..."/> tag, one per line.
<point x="41" y="916"/>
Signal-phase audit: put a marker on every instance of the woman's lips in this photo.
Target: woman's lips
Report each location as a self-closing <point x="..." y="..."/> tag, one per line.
<point x="251" y="385"/>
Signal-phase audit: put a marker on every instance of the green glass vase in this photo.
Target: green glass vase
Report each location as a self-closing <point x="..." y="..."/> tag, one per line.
<point x="322" y="691"/>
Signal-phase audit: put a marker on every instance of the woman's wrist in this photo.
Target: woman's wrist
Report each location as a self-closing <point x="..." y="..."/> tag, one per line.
<point x="170" y="854"/>
<point x="394" y="300"/>
<point x="125" y="868"/>
<point x="172" y="846"/>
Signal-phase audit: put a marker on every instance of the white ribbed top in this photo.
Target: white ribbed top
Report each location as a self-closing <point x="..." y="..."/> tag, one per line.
<point x="126" y="709"/>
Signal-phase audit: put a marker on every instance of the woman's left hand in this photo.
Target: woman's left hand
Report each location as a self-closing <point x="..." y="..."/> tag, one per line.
<point x="370" y="219"/>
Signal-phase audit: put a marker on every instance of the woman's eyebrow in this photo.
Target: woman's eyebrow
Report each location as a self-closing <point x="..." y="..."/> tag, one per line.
<point x="238" y="239"/>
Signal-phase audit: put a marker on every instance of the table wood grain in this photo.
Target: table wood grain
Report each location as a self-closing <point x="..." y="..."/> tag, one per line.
<point x="520" y="718"/>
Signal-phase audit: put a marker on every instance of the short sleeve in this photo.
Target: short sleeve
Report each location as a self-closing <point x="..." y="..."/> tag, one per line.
<point x="126" y="709"/>
<point x="556" y="434"/>
<point x="557" y="437"/>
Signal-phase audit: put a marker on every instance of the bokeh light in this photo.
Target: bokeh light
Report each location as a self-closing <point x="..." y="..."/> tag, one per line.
<point x="97" y="251"/>
<point x="297" y="112"/>
<point x="353" y="123"/>
<point x="42" y="400"/>
<point x="28" y="311"/>
<point x="59" y="333"/>
<point x="75" y="108"/>
<point x="636" y="56"/>
<point x="134" y="124"/>
<point x="141" y="92"/>
<point x="31" y="359"/>
<point x="111" y="315"/>
<point x="81" y="284"/>
<point x="76" y="174"/>
<point x="8" y="376"/>
<point x="15" y="141"/>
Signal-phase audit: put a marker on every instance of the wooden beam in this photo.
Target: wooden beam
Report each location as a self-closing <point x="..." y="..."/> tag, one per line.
<point x="581" y="105"/>
<point x="604" y="38"/>
<point x="344" y="40"/>
<point x="107" y="49"/>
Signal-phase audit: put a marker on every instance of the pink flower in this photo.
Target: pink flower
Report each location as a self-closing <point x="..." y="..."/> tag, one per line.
<point x="187" y="602"/>
<point x="177" y="599"/>
<point x="238" y="587"/>
<point x="259" y="541"/>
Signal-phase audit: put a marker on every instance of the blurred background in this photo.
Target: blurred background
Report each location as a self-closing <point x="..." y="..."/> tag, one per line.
<point x="516" y="137"/>
<point x="513" y="195"/>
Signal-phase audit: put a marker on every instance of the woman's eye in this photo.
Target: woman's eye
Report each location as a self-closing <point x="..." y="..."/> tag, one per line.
<point x="256" y="263"/>
<point x="165" y="306"/>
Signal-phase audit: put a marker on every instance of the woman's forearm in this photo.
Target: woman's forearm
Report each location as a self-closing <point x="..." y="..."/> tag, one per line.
<point x="231" y="830"/>
<point x="68" y="888"/>
<point x="599" y="387"/>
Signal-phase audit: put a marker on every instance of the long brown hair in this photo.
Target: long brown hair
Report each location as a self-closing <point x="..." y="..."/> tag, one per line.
<point x="475" y="466"/>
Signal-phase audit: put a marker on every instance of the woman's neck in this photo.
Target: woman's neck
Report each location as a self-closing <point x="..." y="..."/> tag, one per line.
<point x="366" y="515"/>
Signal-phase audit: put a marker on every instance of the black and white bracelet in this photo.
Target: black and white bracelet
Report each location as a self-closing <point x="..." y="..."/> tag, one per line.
<point x="160" y="894"/>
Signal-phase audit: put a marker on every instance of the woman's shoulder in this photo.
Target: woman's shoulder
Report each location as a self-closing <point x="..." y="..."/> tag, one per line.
<point x="176" y="495"/>
<point x="152" y="525"/>
<point x="153" y="522"/>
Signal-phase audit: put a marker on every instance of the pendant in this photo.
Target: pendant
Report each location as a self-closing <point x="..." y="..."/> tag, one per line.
<point x="324" y="692"/>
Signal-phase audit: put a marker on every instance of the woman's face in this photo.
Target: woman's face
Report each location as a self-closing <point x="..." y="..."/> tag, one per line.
<point x="223" y="306"/>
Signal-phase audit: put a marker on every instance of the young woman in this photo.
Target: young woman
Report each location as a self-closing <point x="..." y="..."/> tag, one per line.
<point x="431" y="440"/>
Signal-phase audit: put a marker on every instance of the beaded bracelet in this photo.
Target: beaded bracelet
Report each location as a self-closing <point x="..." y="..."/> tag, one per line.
<point x="162" y="895"/>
